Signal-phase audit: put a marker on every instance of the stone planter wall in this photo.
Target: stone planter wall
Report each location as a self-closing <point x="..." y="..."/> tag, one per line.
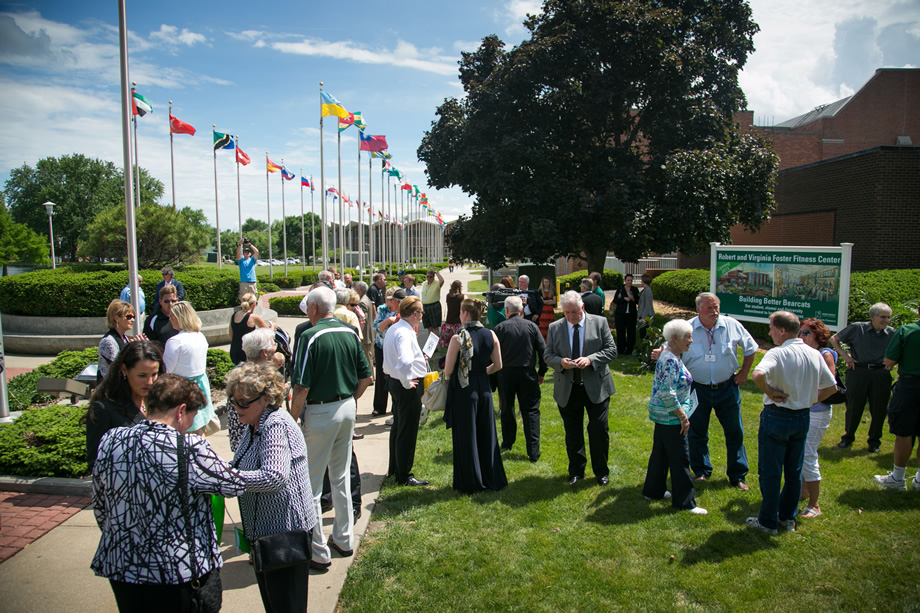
<point x="51" y="335"/>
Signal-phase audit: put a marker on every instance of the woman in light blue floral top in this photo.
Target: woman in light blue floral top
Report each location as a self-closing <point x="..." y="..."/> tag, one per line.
<point x="670" y="406"/>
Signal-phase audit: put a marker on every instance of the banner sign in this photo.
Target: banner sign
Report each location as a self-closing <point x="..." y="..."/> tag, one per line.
<point x="752" y="282"/>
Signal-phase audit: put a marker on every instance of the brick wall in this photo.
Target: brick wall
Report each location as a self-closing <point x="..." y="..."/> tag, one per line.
<point x="871" y="199"/>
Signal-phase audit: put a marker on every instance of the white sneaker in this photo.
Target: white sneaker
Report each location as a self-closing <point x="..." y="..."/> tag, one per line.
<point x="889" y="482"/>
<point x="667" y="496"/>
<point x="753" y="522"/>
<point x="423" y="416"/>
<point x="389" y="421"/>
<point x="697" y="511"/>
<point x="787" y="524"/>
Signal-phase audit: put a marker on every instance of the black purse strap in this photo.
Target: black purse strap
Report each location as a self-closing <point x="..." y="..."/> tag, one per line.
<point x="182" y="487"/>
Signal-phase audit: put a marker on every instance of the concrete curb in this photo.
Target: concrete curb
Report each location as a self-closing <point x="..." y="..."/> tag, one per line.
<point x="47" y="485"/>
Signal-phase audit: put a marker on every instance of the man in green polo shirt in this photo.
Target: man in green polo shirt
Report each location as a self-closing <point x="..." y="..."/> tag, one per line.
<point x="330" y="374"/>
<point x="904" y="408"/>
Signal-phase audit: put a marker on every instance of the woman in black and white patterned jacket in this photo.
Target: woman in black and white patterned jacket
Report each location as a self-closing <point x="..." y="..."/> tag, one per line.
<point x="158" y="537"/>
<point x="273" y="444"/>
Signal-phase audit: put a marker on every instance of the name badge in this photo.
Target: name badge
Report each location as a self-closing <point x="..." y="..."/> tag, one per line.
<point x="710" y="357"/>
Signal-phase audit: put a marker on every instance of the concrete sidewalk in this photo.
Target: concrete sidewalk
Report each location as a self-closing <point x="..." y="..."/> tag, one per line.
<point x="53" y="574"/>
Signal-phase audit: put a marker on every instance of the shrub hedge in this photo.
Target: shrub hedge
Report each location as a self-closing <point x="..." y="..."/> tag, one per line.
<point x="899" y="288"/>
<point x="610" y="280"/>
<point x="23" y="390"/>
<point x="286" y="305"/>
<point x="45" y="442"/>
<point x="70" y="291"/>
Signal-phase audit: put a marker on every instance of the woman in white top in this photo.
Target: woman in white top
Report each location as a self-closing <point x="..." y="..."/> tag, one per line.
<point x="186" y="355"/>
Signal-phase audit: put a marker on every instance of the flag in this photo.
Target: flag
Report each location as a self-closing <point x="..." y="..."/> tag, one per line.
<point x="139" y="104"/>
<point x="305" y="182"/>
<point x="394" y="172"/>
<point x="347" y="200"/>
<point x="271" y="166"/>
<point x="373" y="143"/>
<point x="331" y="106"/>
<point x="345" y="122"/>
<point x="222" y="141"/>
<point x="241" y="157"/>
<point x="177" y="126"/>
<point x="359" y="121"/>
<point x="415" y="190"/>
<point x="387" y="165"/>
<point x="381" y="154"/>
<point x="286" y="174"/>
<point x="406" y="187"/>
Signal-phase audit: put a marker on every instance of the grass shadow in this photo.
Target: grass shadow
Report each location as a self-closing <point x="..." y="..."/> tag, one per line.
<point x="617" y="506"/>
<point x="878" y="499"/>
<point x="726" y="544"/>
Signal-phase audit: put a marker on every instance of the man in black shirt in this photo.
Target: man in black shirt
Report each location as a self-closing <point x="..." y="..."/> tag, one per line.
<point x="521" y="345"/>
<point x="594" y="304"/>
<point x="157" y="327"/>
<point x="376" y="292"/>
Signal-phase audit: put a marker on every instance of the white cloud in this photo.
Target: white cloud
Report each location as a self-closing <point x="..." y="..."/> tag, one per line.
<point x="515" y="12"/>
<point x="172" y="36"/>
<point x="404" y="54"/>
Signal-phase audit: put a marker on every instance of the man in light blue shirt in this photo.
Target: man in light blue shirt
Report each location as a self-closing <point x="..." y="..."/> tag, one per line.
<point x="713" y="363"/>
<point x="125" y="295"/>
<point x="247" y="256"/>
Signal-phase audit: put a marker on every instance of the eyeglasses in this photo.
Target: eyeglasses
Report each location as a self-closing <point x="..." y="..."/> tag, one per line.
<point x="129" y="316"/>
<point x="170" y="301"/>
<point x="352" y="304"/>
<point x="804" y="332"/>
<point x="245" y="405"/>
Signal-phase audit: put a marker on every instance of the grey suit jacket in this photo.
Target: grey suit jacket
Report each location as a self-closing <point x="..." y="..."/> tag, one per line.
<point x="599" y="347"/>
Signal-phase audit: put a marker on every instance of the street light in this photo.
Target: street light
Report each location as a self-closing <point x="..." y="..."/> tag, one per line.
<point x="49" y="206"/>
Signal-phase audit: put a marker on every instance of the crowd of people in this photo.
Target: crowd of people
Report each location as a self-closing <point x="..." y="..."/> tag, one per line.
<point x="293" y="440"/>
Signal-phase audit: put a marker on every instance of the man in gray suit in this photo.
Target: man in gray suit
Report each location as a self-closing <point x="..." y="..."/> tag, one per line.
<point x="579" y="348"/>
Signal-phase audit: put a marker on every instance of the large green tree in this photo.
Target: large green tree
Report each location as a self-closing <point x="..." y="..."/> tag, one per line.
<point x="19" y="244"/>
<point x="164" y="236"/>
<point x="80" y="186"/>
<point x="610" y="129"/>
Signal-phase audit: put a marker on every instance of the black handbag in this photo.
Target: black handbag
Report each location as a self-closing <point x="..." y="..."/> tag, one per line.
<point x="281" y="550"/>
<point x="207" y="591"/>
<point x="840" y="396"/>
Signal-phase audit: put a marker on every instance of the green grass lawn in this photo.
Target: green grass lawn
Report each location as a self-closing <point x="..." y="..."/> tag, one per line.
<point x="540" y="545"/>
<point x="478" y="286"/>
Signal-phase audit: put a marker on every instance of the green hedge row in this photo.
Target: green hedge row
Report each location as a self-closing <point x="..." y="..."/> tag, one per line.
<point x="286" y="305"/>
<point x="899" y="288"/>
<point x="74" y="293"/>
<point x="45" y="442"/>
<point x="610" y="280"/>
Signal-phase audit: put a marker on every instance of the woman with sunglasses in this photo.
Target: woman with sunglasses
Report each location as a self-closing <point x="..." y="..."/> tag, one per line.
<point x="346" y="302"/>
<point x="273" y="444"/>
<point x="816" y="335"/>
<point x="119" y="399"/>
<point x="120" y="318"/>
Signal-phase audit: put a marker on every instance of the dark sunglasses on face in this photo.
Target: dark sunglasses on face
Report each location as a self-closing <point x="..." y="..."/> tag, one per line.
<point x="129" y="316"/>
<point x="245" y="405"/>
<point x="168" y="301"/>
<point x="805" y="332"/>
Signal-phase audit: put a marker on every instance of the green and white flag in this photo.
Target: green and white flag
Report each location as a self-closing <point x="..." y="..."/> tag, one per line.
<point x="139" y="104"/>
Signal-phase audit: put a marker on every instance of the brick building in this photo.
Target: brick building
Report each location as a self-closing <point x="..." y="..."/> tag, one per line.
<point x="849" y="172"/>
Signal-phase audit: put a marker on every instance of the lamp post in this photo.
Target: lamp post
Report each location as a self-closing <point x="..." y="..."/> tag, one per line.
<point x="49" y="206"/>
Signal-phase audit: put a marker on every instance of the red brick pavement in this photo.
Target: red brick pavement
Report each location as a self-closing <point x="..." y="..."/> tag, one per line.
<point x="12" y="372"/>
<point x="24" y="518"/>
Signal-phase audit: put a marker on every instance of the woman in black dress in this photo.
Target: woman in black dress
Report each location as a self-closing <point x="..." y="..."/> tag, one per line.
<point x="472" y="356"/>
<point x="625" y="306"/>
<point x="242" y="323"/>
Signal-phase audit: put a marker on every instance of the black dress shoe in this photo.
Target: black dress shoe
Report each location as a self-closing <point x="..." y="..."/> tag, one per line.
<point x="320" y="566"/>
<point x="413" y="481"/>
<point x="874" y="449"/>
<point x="505" y="447"/>
<point x="534" y="458"/>
<point x="574" y="480"/>
<point x="844" y="444"/>
<point x="357" y="514"/>
<point x="346" y="553"/>
<point x="357" y="437"/>
<point x="603" y="480"/>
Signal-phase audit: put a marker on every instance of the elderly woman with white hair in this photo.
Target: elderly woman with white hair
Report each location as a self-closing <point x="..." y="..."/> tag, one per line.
<point x="259" y="346"/>
<point x="669" y="408"/>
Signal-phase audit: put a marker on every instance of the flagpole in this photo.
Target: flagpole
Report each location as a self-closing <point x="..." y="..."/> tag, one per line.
<point x="303" y="232"/>
<point x="126" y="114"/>
<point x="312" y="226"/>
<point x="172" y="163"/>
<point x="370" y="219"/>
<point x="322" y="180"/>
<point x="341" y="210"/>
<point x="360" y="234"/>
<point x="137" y="168"/>
<point x="220" y="261"/>
<point x="283" y="220"/>
<point x="239" y="200"/>
<point x="268" y="207"/>
<point x="386" y="230"/>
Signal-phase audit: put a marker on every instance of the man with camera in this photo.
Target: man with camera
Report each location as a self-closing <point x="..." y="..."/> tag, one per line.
<point x="246" y="257"/>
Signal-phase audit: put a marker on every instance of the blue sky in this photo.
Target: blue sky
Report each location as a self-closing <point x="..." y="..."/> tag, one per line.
<point x="254" y="70"/>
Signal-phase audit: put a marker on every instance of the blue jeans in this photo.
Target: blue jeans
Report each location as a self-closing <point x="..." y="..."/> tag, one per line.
<point x="782" y="451"/>
<point x="727" y="404"/>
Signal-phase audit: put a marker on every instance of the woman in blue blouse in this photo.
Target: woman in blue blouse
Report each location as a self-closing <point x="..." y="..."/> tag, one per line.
<point x="671" y="404"/>
<point x="273" y="444"/>
<point x="152" y="486"/>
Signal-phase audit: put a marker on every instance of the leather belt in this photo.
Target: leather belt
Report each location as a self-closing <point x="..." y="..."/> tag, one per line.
<point x="869" y="365"/>
<point x="783" y="409"/>
<point x="715" y="386"/>
<point x="333" y="399"/>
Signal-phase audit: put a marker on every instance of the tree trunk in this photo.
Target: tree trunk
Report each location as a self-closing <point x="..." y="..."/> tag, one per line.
<point x="595" y="257"/>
